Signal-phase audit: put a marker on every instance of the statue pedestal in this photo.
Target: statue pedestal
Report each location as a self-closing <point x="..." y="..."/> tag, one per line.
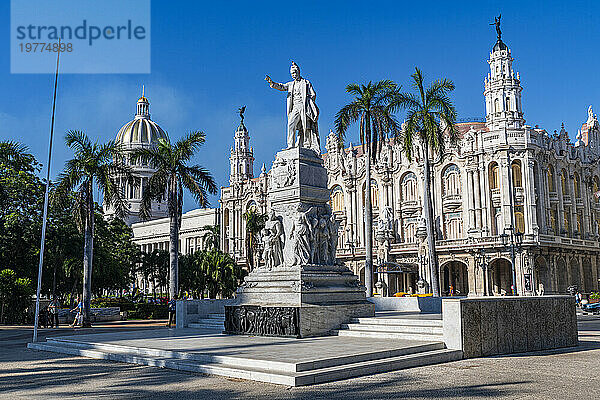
<point x="308" y="294"/>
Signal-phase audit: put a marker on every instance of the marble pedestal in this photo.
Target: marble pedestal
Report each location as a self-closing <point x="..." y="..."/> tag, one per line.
<point x="298" y="299"/>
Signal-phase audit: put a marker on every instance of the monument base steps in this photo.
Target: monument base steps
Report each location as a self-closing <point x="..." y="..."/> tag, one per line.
<point x="213" y="321"/>
<point x="406" y="355"/>
<point x="427" y="327"/>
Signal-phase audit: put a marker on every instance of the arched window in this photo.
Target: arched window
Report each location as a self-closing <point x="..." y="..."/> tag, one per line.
<point x="410" y="230"/>
<point x="451" y="180"/>
<point x="337" y="198"/>
<point x="508" y="104"/>
<point x="409" y="187"/>
<point x="551" y="181"/>
<point x="519" y="219"/>
<point x="516" y="174"/>
<point x="497" y="105"/>
<point x="374" y="194"/>
<point x="576" y="185"/>
<point x="553" y="220"/>
<point x="494" y="176"/>
<point x="453" y="225"/>
<point x="563" y="182"/>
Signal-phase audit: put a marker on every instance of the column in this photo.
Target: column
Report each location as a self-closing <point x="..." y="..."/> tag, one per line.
<point x="561" y="207"/>
<point x="585" y="196"/>
<point x="571" y="187"/>
<point x="543" y="199"/>
<point x="474" y="280"/>
<point x="581" y="283"/>
<point x="529" y="191"/>
<point x="470" y="204"/>
<point x="595" y="272"/>
<point x="505" y="194"/>
<point x="477" y="187"/>
<point x="486" y="225"/>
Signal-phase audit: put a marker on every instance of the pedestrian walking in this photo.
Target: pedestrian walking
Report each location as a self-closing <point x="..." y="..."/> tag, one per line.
<point x="53" y="308"/>
<point x="78" y="321"/>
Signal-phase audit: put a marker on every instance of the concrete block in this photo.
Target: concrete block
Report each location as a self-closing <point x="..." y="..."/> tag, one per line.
<point x="519" y="327"/>
<point x="505" y="326"/>
<point x="452" y="324"/>
<point x="489" y="327"/>
<point x="471" y="328"/>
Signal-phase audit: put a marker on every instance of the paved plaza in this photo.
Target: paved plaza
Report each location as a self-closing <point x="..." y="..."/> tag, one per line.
<point x="556" y="374"/>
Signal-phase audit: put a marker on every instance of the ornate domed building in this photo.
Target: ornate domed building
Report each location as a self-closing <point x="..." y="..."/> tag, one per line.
<point x="141" y="132"/>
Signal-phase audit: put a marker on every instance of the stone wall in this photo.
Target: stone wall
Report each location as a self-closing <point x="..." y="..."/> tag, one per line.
<point x="190" y="311"/>
<point x="490" y="326"/>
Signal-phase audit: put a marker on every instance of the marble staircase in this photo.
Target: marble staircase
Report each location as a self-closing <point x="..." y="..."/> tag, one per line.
<point x="406" y="326"/>
<point x="212" y="322"/>
<point x="292" y="370"/>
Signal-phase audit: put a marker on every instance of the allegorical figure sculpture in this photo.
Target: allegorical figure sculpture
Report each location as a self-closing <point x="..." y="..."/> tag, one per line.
<point x="301" y="242"/>
<point x="273" y="242"/>
<point x="302" y="110"/>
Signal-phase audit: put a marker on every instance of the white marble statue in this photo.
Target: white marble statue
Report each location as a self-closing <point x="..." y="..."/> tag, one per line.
<point x="386" y="220"/>
<point x="273" y="242"/>
<point x="301" y="240"/>
<point x="323" y="242"/>
<point x="302" y="111"/>
<point x="592" y="121"/>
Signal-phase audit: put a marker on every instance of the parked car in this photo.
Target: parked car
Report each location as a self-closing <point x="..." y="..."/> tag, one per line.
<point x="593" y="308"/>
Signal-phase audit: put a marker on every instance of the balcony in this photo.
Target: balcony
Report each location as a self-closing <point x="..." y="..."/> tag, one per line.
<point x="567" y="199"/>
<point x="496" y="199"/>
<point x="452" y="201"/>
<point x="519" y="194"/>
<point x="554" y="197"/>
<point x="409" y="205"/>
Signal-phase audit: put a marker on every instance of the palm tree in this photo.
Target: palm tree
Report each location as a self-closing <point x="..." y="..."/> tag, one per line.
<point x="213" y="237"/>
<point x="373" y="107"/>
<point x="172" y="175"/>
<point x="255" y="222"/>
<point x="430" y="123"/>
<point x="94" y="165"/>
<point x="15" y="155"/>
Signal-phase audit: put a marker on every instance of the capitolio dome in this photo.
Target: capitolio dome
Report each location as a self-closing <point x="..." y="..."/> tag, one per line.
<point x="141" y="130"/>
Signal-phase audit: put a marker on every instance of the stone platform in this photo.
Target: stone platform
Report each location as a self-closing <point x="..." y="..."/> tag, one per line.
<point x="285" y="361"/>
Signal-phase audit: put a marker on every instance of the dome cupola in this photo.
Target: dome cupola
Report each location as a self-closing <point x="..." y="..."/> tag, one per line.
<point x="141" y="130"/>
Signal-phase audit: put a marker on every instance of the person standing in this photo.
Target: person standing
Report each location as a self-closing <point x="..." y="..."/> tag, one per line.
<point x="53" y="307"/>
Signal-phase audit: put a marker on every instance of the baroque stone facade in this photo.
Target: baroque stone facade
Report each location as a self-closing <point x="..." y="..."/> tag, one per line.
<point x="503" y="182"/>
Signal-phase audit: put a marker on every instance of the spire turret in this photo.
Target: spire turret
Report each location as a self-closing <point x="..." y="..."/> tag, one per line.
<point x="502" y="88"/>
<point x="242" y="155"/>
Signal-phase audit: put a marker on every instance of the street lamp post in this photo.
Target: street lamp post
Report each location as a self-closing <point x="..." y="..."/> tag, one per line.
<point x="481" y="261"/>
<point x="512" y="241"/>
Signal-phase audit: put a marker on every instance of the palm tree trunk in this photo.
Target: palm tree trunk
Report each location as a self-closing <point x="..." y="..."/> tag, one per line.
<point x="368" y="219"/>
<point x="88" y="254"/>
<point x="173" y="255"/>
<point x="430" y="223"/>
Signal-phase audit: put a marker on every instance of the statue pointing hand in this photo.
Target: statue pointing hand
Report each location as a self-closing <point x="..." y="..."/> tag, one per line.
<point x="302" y="110"/>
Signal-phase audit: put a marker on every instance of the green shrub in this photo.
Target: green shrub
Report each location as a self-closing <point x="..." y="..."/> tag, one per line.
<point x="123" y="303"/>
<point x="595" y="296"/>
<point x="15" y="297"/>
<point x="149" y="311"/>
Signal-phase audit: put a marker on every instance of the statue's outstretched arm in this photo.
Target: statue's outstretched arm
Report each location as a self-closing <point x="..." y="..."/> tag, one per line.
<point x="275" y="85"/>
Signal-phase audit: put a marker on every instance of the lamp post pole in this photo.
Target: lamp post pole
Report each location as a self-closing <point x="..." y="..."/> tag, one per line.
<point x="481" y="262"/>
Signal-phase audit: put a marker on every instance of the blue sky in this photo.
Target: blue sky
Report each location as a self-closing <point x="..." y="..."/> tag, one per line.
<point x="209" y="58"/>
